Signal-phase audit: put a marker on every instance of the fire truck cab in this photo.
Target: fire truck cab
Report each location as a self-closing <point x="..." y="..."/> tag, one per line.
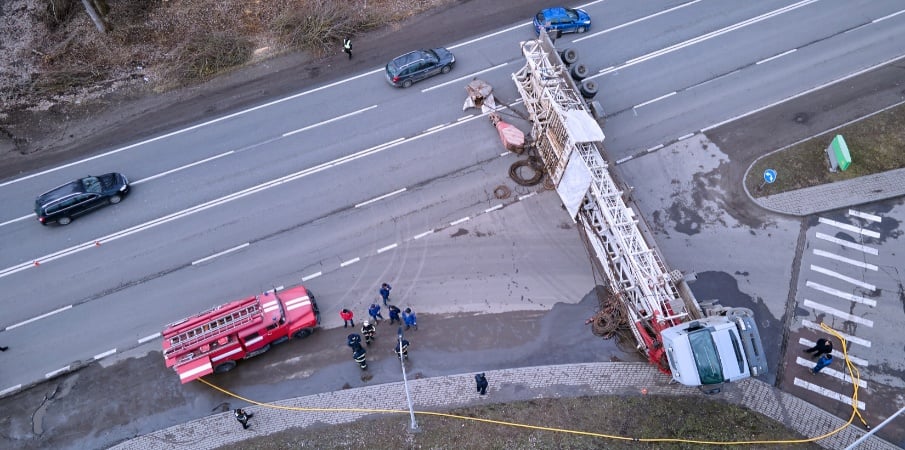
<point x="214" y="340"/>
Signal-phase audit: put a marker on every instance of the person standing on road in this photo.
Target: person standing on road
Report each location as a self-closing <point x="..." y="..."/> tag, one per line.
<point x="347" y="47"/>
<point x="482" y="383"/>
<point x="242" y="417"/>
<point x="374" y="312"/>
<point x="409" y="318"/>
<point x="385" y="293"/>
<point x="824" y="361"/>
<point x="347" y="317"/>
<point x="823" y="347"/>
<point x="394" y="314"/>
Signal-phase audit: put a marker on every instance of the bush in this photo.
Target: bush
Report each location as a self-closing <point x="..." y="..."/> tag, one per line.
<point x="206" y="55"/>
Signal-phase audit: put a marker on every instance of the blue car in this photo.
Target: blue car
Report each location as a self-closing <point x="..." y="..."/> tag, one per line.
<point x="565" y="20"/>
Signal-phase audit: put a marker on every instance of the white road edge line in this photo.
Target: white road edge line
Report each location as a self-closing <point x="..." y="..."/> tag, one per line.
<point x="312" y="276"/>
<point x="848" y="337"/>
<point x="826" y="392"/>
<point x="419" y="236"/>
<point x="149" y="338"/>
<point x="493" y="208"/>
<point x="324" y="122"/>
<point x="349" y="262"/>
<point x="215" y="255"/>
<point x="654" y="148"/>
<point x="775" y="56"/>
<point x="852" y="228"/>
<point x="836" y="353"/>
<point x="842" y="277"/>
<point x="864" y="215"/>
<point x="839" y="258"/>
<point x="387" y="248"/>
<point x="56" y="372"/>
<point x="456" y="222"/>
<point x="841" y="294"/>
<point x="10" y="389"/>
<point x="42" y="316"/>
<point x="377" y="199"/>
<point x="838" y="313"/>
<point x="851" y="245"/>
<point x="529" y="195"/>
<point x="104" y="354"/>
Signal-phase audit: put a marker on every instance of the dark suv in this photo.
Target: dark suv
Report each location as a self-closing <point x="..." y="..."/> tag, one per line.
<point x="418" y="65"/>
<point x="72" y="199"/>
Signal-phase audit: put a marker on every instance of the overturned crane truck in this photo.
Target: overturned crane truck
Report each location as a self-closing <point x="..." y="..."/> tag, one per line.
<point x="697" y="347"/>
<point x="214" y="340"/>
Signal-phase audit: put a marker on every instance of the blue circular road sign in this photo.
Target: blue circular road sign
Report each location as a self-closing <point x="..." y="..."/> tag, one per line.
<point x="769" y="175"/>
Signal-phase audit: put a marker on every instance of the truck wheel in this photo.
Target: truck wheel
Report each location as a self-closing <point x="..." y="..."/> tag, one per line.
<point x="579" y="72"/>
<point x="588" y="89"/>
<point x="303" y="333"/>
<point x="64" y="220"/>
<point x="225" y="367"/>
<point x="115" y="199"/>
<point x="407" y="83"/>
<point x="569" y="56"/>
<point x="445" y="69"/>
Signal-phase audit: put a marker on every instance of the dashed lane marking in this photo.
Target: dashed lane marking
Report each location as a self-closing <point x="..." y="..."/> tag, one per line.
<point x="841" y="294"/>
<point x="26" y="322"/>
<point x="840" y="314"/>
<point x="852" y="228"/>
<point x="837" y="275"/>
<point x="104" y="354"/>
<point x="312" y="276"/>
<point x="215" y="255"/>
<point x="149" y="338"/>
<point x="826" y="392"/>
<point x="349" y="262"/>
<point x="839" y="258"/>
<point x="56" y="372"/>
<point x="426" y="233"/>
<point x="462" y="220"/>
<point x="851" y="245"/>
<point x="387" y="248"/>
<point x="848" y="337"/>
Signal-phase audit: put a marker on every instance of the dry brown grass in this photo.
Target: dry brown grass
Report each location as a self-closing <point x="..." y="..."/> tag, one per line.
<point x="876" y="144"/>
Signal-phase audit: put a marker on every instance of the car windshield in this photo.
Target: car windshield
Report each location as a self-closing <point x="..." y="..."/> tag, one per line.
<point x="92" y="184"/>
<point x="573" y="16"/>
<point x="706" y="357"/>
<point x="434" y="57"/>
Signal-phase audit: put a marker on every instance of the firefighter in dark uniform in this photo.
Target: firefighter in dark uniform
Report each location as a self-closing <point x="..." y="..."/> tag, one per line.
<point x="242" y="417"/>
<point x="368" y="330"/>
<point x="358" y="354"/>
<point x="402" y="348"/>
<point x="353" y="340"/>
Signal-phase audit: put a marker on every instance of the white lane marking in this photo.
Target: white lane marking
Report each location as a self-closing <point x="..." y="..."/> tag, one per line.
<point x="708" y="36"/>
<point x="456" y="222"/>
<point x="655" y="148"/>
<point x="622" y="160"/>
<point x="193" y="127"/>
<point x="193" y="164"/>
<point x="852" y="228"/>
<point x="529" y="195"/>
<point x="10" y="389"/>
<point x="18" y="219"/>
<point x="465" y="118"/>
<point x="665" y="11"/>
<point x="435" y="127"/>
<point x="504" y="154"/>
<point x="826" y="392"/>
<point x="830" y="371"/>
<point x="838" y="313"/>
<point x="387" y="248"/>
<point x="217" y="202"/>
<point x="104" y="354"/>
<point x="776" y="56"/>
<point x="803" y="93"/>
<point x="229" y="250"/>
<point x="419" y="236"/>
<point x="149" y="338"/>
<point x="864" y="215"/>
<point x="848" y="337"/>
<point x="889" y="16"/>
<point x="312" y="276"/>
<point x="349" y="262"/>
<point x="836" y="353"/>
<point x="493" y="208"/>
<point x="839" y="258"/>
<point x="324" y="122"/>
<point x="664" y="96"/>
<point x="377" y="199"/>
<point x="56" y="372"/>
<point x="851" y="245"/>
<point x="42" y="316"/>
<point x="682" y="138"/>
<point x="841" y="294"/>
<point x="847" y="279"/>
<point x="471" y="75"/>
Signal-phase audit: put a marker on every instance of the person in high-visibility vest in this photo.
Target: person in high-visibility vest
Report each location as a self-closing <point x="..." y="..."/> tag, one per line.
<point x="347" y="47"/>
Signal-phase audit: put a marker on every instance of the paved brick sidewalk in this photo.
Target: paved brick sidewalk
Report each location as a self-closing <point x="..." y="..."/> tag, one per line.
<point x="443" y="393"/>
<point x="840" y="194"/>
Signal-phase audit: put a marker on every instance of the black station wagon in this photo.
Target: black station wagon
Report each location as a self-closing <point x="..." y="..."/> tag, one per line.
<point x="78" y="197"/>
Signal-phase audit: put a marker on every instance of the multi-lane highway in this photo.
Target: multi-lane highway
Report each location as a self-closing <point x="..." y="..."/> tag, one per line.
<point x="347" y="184"/>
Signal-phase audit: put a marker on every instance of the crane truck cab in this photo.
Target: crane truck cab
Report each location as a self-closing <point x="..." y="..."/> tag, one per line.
<point x="717" y="349"/>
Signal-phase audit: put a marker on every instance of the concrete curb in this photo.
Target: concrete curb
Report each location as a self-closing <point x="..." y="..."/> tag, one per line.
<point x="449" y="392"/>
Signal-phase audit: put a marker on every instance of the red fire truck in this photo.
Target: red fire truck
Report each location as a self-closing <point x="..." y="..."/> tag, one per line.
<point x="213" y="340"/>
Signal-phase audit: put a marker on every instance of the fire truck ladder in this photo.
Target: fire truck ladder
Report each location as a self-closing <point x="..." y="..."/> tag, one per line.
<point x="228" y="322"/>
<point x="633" y="269"/>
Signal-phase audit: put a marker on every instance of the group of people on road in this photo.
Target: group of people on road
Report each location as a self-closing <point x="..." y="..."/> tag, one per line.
<point x="369" y="327"/>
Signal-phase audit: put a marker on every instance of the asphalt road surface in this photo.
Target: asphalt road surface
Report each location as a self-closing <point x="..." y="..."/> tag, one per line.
<point x="350" y="183"/>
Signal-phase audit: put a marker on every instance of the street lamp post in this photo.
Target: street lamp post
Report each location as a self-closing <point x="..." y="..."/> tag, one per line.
<point x="408" y="396"/>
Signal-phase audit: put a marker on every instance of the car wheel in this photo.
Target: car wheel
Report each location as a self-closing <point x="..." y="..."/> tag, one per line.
<point x="407" y="83"/>
<point x="64" y="220"/>
<point x="445" y="69"/>
<point x="225" y="367"/>
<point x="581" y="30"/>
<point x="115" y="199"/>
